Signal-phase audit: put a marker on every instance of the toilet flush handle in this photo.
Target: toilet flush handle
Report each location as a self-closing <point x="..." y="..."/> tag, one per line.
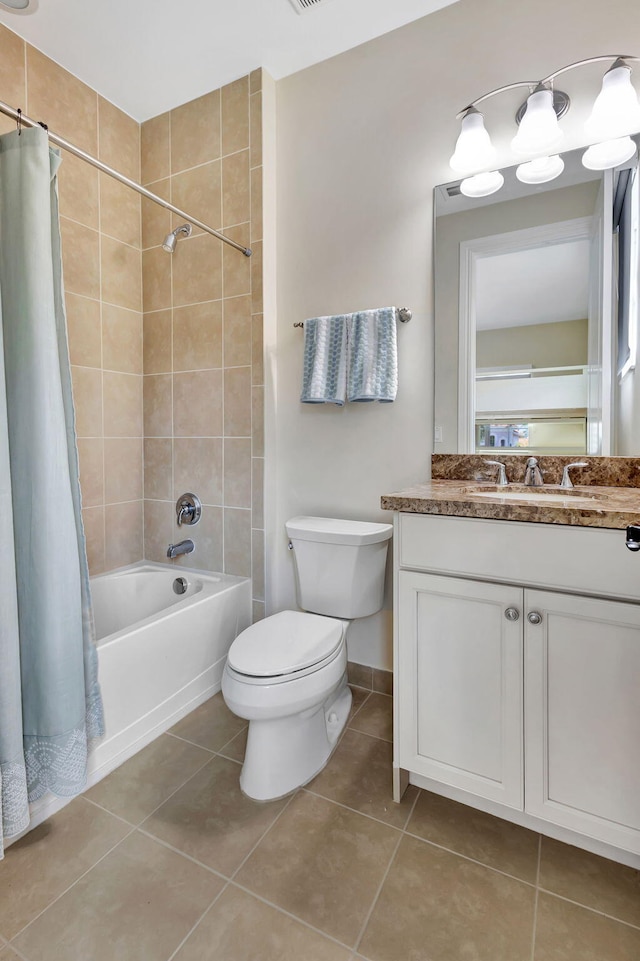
<point x="290" y="546"/>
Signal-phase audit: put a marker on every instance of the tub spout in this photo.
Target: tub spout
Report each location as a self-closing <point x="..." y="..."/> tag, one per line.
<point x="184" y="547"/>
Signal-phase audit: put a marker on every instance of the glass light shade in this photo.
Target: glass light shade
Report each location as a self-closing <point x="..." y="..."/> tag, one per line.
<point x="539" y="131"/>
<point x="482" y="185"/>
<point x="602" y="156"/>
<point x="616" y="112"/>
<point x="540" y="171"/>
<point x="474" y="149"/>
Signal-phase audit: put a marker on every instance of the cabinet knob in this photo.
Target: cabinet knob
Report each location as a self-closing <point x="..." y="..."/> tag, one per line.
<point x="512" y="614"/>
<point x="534" y="618"/>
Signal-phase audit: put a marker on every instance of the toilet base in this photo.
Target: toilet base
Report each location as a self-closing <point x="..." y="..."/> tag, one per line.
<point x="284" y="753"/>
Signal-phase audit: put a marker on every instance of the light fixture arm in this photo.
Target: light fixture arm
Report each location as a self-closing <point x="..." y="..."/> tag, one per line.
<point x="532" y="84"/>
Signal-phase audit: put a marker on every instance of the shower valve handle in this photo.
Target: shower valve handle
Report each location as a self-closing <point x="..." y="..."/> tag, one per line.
<point x="188" y="509"/>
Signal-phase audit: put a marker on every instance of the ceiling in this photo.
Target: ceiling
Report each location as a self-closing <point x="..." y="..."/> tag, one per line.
<point x="542" y="285"/>
<point x="148" y="56"/>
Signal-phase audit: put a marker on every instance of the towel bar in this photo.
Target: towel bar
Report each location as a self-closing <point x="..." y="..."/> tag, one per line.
<point x="404" y="316"/>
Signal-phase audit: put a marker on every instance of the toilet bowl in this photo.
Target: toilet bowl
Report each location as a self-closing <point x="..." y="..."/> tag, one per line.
<point x="296" y="705"/>
<point x="287" y="674"/>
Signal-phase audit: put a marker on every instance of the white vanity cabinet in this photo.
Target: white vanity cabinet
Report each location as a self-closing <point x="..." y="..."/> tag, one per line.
<point x="517" y="672"/>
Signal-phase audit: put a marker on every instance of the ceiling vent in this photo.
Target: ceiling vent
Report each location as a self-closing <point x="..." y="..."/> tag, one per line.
<point x="303" y="6"/>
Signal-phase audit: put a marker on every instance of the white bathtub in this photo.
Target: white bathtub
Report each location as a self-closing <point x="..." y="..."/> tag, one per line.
<point x="160" y="654"/>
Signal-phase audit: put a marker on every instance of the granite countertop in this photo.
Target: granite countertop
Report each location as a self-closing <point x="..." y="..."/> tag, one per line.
<point x="612" y="507"/>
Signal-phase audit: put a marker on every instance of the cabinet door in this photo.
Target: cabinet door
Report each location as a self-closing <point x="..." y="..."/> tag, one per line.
<point x="582" y="722"/>
<point x="460" y="682"/>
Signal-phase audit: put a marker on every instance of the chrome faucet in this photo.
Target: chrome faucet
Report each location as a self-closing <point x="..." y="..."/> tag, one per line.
<point x="184" y="547"/>
<point x="502" y="473"/>
<point x="566" y="480"/>
<point x="533" y="474"/>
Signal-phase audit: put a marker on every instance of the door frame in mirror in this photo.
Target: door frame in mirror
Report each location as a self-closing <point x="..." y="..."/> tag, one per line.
<point x="471" y="251"/>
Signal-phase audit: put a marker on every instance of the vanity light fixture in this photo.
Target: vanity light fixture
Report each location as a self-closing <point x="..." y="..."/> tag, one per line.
<point x="539" y="131"/>
<point x="541" y="170"/>
<point x="474" y="149"/>
<point x="614" y="117"/>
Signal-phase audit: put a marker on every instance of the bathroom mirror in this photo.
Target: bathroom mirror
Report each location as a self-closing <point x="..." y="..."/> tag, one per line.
<point x="536" y="315"/>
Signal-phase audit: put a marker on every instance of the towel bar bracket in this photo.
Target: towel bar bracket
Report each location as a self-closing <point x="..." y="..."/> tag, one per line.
<point x="404" y="316"/>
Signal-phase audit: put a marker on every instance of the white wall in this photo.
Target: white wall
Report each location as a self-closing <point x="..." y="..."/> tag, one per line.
<point x="362" y="139"/>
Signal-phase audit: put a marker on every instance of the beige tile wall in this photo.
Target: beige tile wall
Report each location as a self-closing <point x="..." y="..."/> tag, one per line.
<point x="200" y="342"/>
<point x="203" y="369"/>
<point x="101" y="240"/>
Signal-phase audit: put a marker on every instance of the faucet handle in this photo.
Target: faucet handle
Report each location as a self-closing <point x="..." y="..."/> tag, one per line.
<point x="502" y="472"/>
<point x="188" y="509"/>
<point x="566" y="481"/>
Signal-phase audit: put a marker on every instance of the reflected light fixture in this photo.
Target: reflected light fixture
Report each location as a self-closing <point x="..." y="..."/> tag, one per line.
<point x="614" y="118"/>
<point x="482" y="185"/>
<point x="541" y="170"/>
<point x="602" y="156"/>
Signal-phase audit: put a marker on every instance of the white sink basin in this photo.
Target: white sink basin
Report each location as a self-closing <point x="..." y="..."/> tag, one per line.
<point x="537" y="495"/>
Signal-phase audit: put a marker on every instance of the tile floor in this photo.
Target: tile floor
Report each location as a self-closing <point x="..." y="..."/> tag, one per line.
<point x="165" y="859"/>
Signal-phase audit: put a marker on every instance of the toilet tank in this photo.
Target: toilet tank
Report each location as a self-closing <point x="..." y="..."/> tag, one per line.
<point x="339" y="564"/>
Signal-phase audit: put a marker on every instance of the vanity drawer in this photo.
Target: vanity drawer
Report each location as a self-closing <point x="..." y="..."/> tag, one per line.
<point x="584" y="560"/>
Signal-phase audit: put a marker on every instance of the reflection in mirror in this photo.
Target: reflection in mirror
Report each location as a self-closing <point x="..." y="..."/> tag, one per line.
<point x="533" y="350"/>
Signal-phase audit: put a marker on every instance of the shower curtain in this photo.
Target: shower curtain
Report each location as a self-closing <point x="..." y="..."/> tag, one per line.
<point x="50" y="706"/>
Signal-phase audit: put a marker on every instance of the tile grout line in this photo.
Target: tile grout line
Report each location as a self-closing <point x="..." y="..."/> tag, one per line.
<point x="199" y="921"/>
<point x="288" y="914"/>
<point x="369" y="914"/>
<point x="345" y="807"/>
<point x="465" y="857"/>
<point x="375" y="737"/>
<point x="535" y="902"/>
<point x="357" y="711"/>
<point x="180" y="786"/>
<point x="602" y="914"/>
<point x="182" y="854"/>
<point x="101" y="807"/>
<point x="264" y="834"/>
<point x="73" y="884"/>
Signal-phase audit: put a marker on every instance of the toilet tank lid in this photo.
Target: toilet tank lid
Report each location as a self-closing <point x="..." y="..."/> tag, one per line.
<point x="330" y="530"/>
<point x="285" y="643"/>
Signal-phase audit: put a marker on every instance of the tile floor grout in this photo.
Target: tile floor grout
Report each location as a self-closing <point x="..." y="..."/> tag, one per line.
<point x="198" y="922"/>
<point x="265" y="832"/>
<point x="535" y="903"/>
<point x="188" y="857"/>
<point x="346" y="807"/>
<point x="376" y="737"/>
<point x="482" y="864"/>
<point x="602" y="914"/>
<point x="353" y="951"/>
<point x="72" y="885"/>
<point x="288" y="914"/>
<point x="369" y="914"/>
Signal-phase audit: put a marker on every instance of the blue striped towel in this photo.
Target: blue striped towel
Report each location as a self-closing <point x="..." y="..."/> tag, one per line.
<point x="373" y="356"/>
<point x="324" y="377"/>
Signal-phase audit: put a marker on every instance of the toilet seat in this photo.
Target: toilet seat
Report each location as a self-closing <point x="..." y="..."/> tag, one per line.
<point x="285" y="645"/>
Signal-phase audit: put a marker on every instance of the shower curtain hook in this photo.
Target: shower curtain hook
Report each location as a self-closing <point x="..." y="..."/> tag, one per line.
<point x="19" y="121"/>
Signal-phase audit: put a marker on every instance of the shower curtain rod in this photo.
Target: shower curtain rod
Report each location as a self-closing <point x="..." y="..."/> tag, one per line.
<point x="23" y="120"/>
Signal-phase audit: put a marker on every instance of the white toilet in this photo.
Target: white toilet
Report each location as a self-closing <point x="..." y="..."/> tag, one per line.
<point x="287" y="674"/>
